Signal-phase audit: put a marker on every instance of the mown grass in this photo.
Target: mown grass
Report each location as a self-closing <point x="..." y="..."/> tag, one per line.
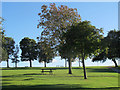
<point x="33" y="79"/>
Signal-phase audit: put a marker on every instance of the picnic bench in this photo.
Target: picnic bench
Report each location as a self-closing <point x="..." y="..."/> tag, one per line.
<point x="47" y="70"/>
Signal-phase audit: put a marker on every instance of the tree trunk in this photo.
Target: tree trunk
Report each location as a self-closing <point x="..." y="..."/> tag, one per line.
<point x="70" y="66"/>
<point x="7" y="63"/>
<point x="16" y="64"/>
<point x="45" y="64"/>
<point x="85" y="77"/>
<point x="30" y="63"/>
<point x="65" y="63"/>
<point x="115" y="62"/>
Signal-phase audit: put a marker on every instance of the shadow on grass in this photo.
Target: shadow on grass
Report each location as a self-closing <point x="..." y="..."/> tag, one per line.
<point x="13" y="80"/>
<point x="21" y="75"/>
<point x="28" y="79"/>
<point x="53" y="87"/>
<point x="34" y="74"/>
<point x="108" y="70"/>
<point x="26" y="75"/>
<point x="91" y="76"/>
<point x="7" y="80"/>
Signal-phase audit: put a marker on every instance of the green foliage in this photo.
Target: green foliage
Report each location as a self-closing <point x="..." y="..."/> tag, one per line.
<point x="118" y="43"/>
<point x="4" y="55"/>
<point x="45" y="52"/>
<point x="101" y="57"/>
<point x="29" y="49"/>
<point x="55" y="21"/>
<point x="8" y="44"/>
<point x="83" y="39"/>
<point x="111" y="45"/>
<point x="3" y="52"/>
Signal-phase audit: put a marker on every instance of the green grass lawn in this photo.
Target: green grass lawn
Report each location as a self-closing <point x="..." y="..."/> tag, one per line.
<point x="33" y="79"/>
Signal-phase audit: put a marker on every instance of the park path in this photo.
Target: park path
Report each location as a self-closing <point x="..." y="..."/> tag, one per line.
<point x="114" y="69"/>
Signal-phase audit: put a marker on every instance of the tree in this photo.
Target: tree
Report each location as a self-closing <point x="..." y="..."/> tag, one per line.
<point x="82" y="39"/>
<point x="45" y="53"/>
<point x="112" y="43"/>
<point x="113" y="46"/>
<point x="29" y="50"/>
<point x="1" y="29"/>
<point x="67" y="52"/>
<point x="8" y="46"/>
<point x="118" y="43"/>
<point x="55" y="21"/>
<point x="15" y="56"/>
<point x="63" y="56"/>
<point x="79" y="59"/>
<point x="3" y="54"/>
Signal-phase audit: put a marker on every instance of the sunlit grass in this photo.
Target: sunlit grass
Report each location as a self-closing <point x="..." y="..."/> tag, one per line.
<point x="98" y="77"/>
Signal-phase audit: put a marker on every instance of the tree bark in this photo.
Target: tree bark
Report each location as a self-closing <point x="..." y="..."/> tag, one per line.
<point x="30" y="63"/>
<point x="115" y="62"/>
<point x="65" y="63"/>
<point x="85" y="77"/>
<point x="70" y="66"/>
<point x="7" y="63"/>
<point x="45" y="64"/>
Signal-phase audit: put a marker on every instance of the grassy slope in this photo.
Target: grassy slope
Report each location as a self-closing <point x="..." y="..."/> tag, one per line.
<point x="98" y="77"/>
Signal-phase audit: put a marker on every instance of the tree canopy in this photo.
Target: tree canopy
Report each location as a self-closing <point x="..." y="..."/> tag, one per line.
<point x="111" y="49"/>
<point x="82" y="39"/>
<point x="1" y="28"/>
<point x="45" y="53"/>
<point x="29" y="50"/>
<point x="8" y="46"/>
<point x="56" y="20"/>
<point x="3" y="53"/>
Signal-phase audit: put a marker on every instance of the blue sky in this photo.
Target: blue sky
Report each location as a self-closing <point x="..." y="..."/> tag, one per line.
<point x="21" y="21"/>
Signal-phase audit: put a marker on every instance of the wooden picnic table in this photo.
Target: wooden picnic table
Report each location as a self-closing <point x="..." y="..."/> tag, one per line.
<point x="47" y="70"/>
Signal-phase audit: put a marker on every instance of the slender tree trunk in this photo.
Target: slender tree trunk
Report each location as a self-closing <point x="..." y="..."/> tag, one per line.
<point x="30" y="63"/>
<point x="85" y="77"/>
<point x="115" y="62"/>
<point x="65" y="63"/>
<point x="70" y="65"/>
<point x="7" y="63"/>
<point x="45" y="64"/>
<point x="16" y="64"/>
